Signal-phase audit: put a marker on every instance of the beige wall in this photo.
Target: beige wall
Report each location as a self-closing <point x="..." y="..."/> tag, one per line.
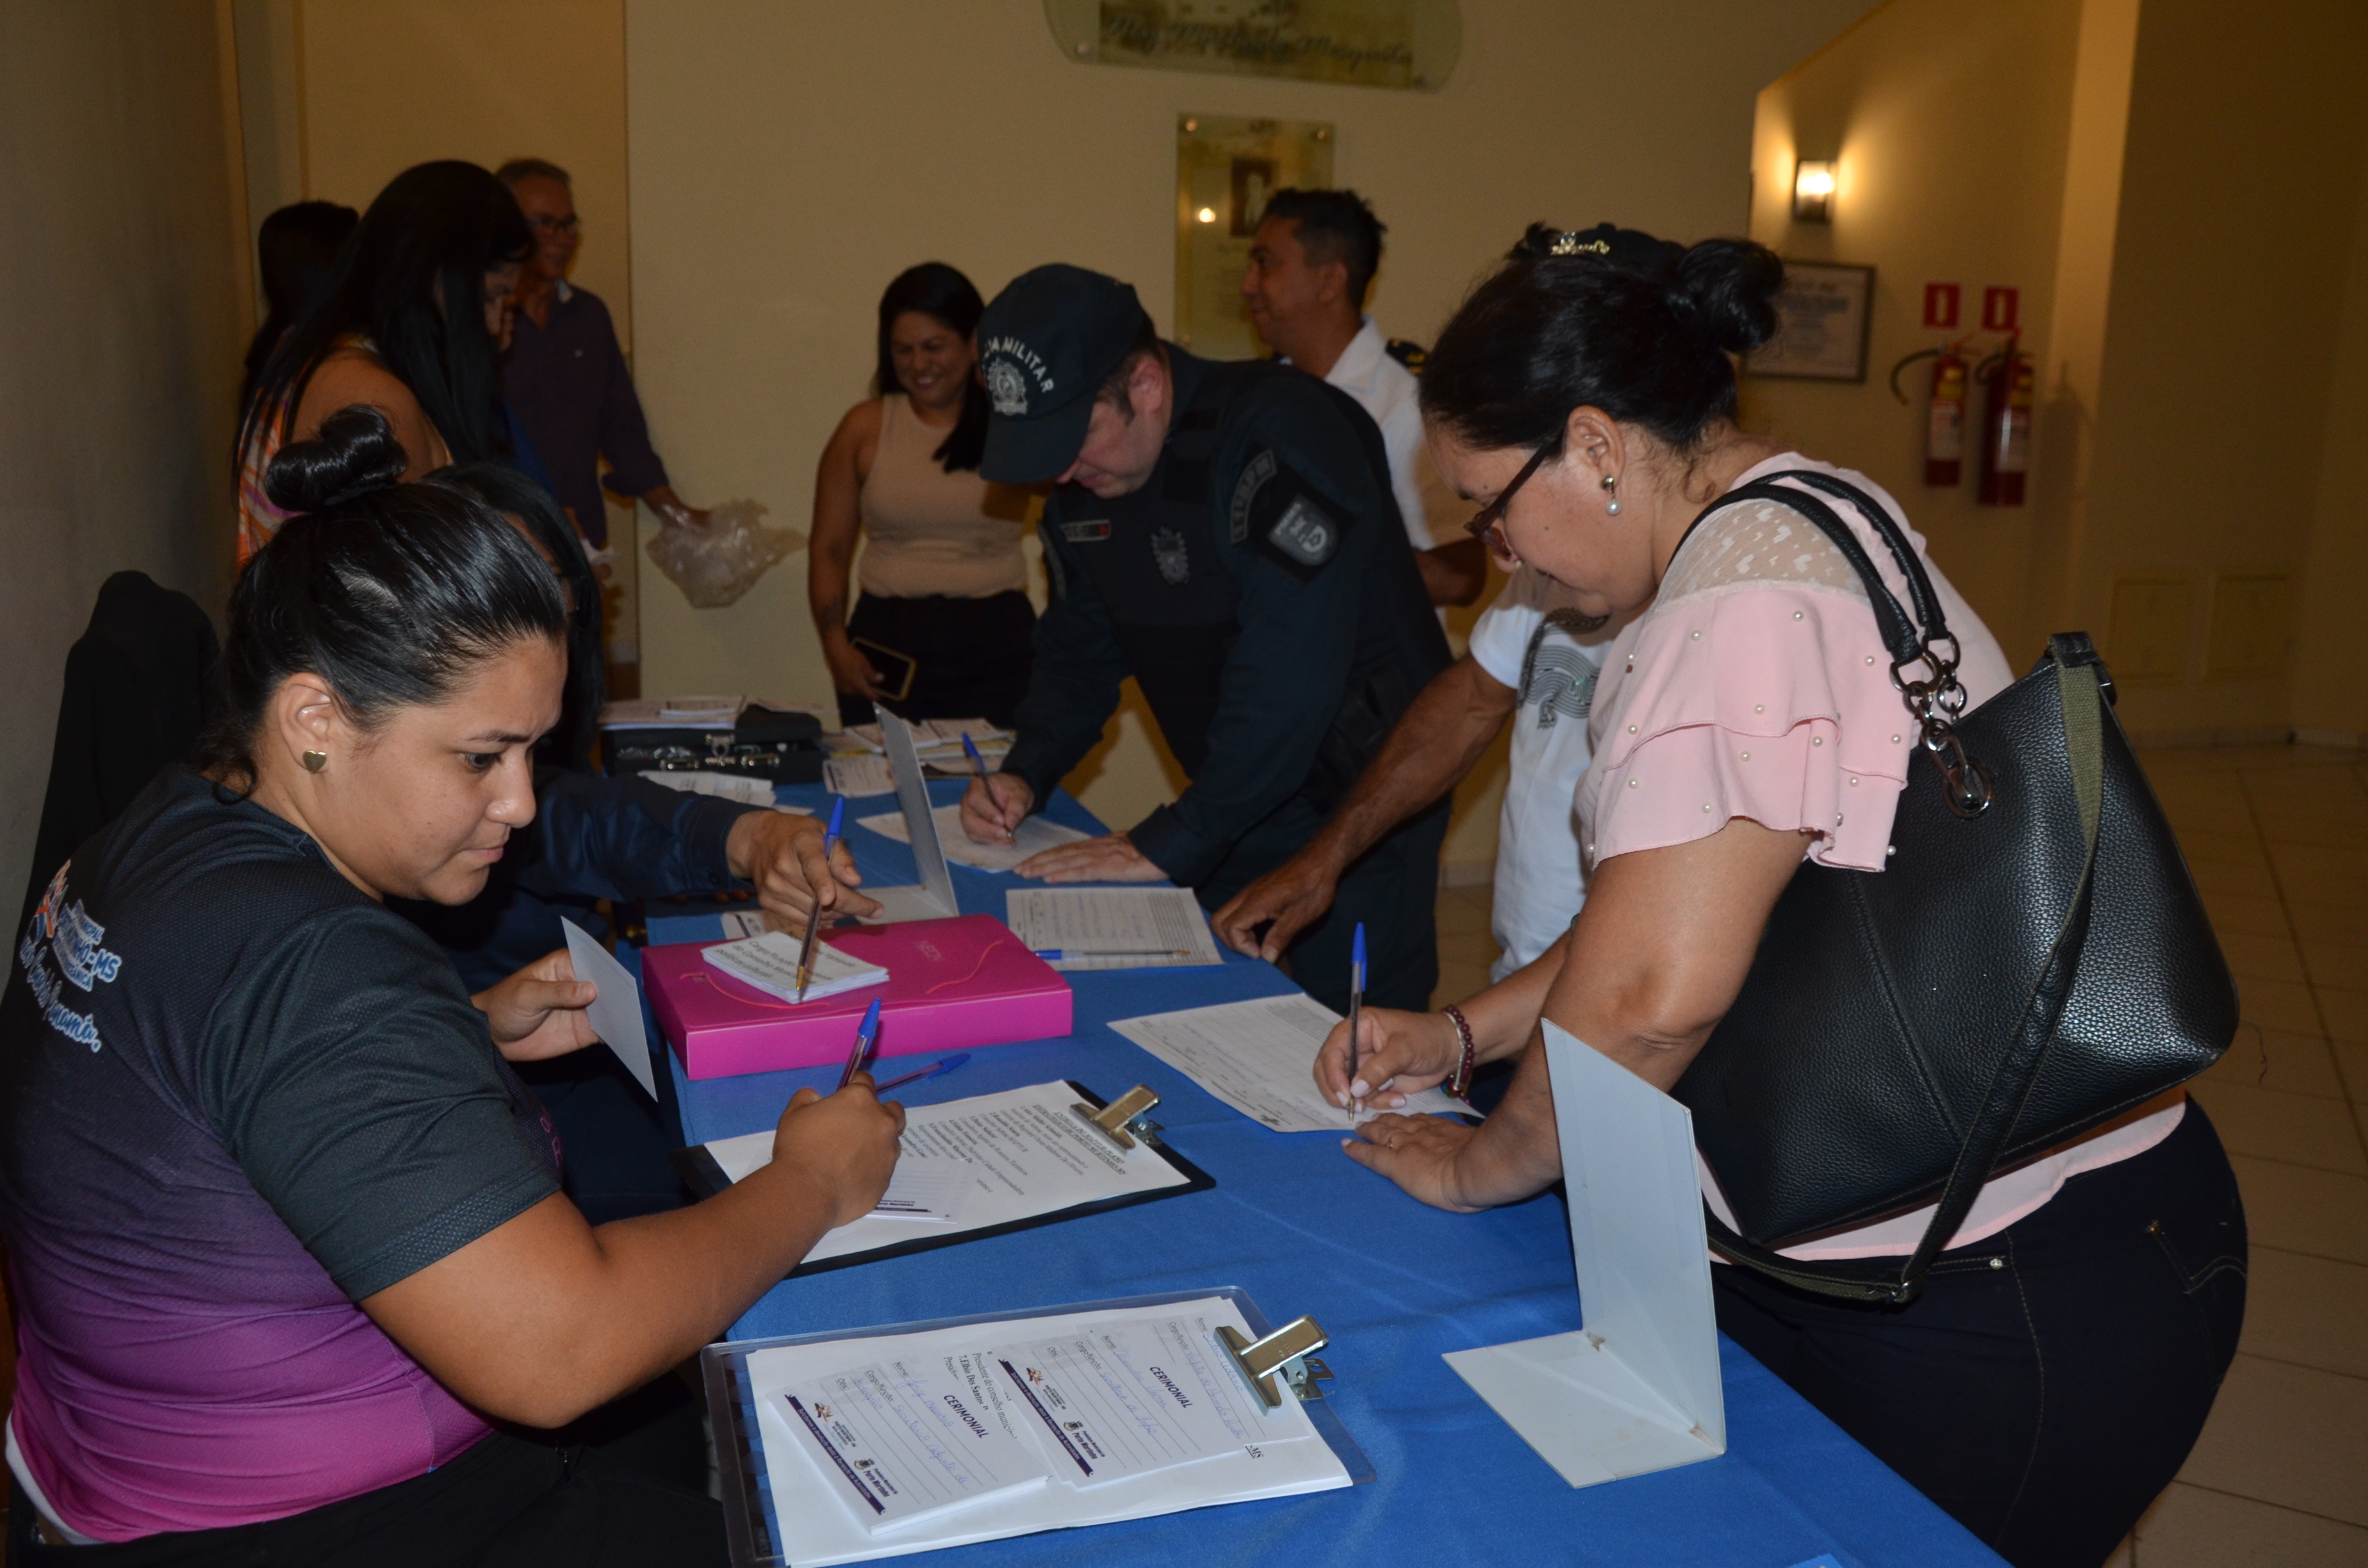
<point x="2178" y="193"/>
<point x="788" y="159"/>
<point x="122" y="315"/>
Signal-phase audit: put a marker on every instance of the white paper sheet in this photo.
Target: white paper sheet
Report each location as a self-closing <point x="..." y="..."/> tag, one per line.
<point x="740" y="786"/>
<point x="1259" y="1058"/>
<point x="858" y="775"/>
<point x="769" y="962"/>
<point x="1126" y="1399"/>
<point x="1113" y="927"/>
<point x="1023" y="1152"/>
<point x="1281" y="1457"/>
<point x="616" y="1012"/>
<point x="911" y="1439"/>
<point x="1034" y="834"/>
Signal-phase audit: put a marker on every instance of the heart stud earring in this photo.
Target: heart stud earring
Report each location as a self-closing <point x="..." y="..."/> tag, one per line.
<point x="315" y="760"/>
<point x="1611" y="483"/>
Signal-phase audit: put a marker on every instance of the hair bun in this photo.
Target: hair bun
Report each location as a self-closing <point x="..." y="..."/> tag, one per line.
<point x="1727" y="288"/>
<point x="355" y="454"/>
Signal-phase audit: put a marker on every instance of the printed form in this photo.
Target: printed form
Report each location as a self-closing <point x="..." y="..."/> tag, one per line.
<point x="1034" y="834"/>
<point x="1113" y="927"/>
<point x="1259" y="1058"/>
<point x="991" y="1159"/>
<point x="910" y="1442"/>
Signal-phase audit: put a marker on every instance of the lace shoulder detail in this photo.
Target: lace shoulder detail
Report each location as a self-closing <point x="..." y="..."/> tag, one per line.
<point x="1757" y="541"/>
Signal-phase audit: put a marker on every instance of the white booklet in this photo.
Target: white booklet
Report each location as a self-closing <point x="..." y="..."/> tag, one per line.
<point x="769" y="962"/>
<point x="942" y="1437"/>
<point x="1107" y="928"/>
<point x="1034" y="834"/>
<point x="1259" y="1058"/>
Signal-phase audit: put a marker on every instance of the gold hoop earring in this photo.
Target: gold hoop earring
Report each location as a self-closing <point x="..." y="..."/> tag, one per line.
<point x="1611" y="483"/>
<point x="315" y="760"/>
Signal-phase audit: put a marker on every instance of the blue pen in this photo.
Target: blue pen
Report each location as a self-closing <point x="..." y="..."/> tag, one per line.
<point x="867" y="1034"/>
<point x="970" y="749"/>
<point x="1356" y="1013"/>
<point x="813" y="921"/>
<point x="934" y="1070"/>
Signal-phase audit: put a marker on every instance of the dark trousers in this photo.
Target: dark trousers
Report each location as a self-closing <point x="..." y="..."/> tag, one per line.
<point x="970" y="657"/>
<point x="623" y="1488"/>
<point x="2050" y="1380"/>
<point x="1392" y="890"/>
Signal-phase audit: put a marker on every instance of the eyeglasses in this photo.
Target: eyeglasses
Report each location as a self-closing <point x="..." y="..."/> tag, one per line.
<point x="1486" y="523"/>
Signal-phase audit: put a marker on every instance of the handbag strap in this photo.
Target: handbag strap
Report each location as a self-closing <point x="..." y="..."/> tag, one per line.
<point x="2080" y="692"/>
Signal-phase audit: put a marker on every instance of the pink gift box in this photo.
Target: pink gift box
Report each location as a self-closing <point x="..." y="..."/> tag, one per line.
<point x="952" y="984"/>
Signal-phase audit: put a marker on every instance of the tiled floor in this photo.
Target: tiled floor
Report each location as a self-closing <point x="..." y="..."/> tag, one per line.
<point x="2278" y="837"/>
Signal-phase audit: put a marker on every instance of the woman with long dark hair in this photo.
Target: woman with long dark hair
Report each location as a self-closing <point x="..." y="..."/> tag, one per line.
<point x="944" y="615"/>
<point x="411" y="325"/>
<point x="294" y="1278"/>
<point x="296" y="256"/>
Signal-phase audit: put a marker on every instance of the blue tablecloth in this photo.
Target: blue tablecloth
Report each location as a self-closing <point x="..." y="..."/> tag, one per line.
<point x="1396" y="1284"/>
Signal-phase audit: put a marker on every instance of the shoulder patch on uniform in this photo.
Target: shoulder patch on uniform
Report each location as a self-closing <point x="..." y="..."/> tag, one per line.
<point x="1413" y="356"/>
<point x="1304" y="536"/>
<point x="1255" y="474"/>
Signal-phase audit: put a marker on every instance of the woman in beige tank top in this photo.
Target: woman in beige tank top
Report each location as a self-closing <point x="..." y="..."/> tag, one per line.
<point x="944" y="584"/>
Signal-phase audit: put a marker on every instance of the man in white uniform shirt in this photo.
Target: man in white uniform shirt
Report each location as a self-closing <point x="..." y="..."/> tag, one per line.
<point x="1311" y="266"/>
<point x="1534" y="660"/>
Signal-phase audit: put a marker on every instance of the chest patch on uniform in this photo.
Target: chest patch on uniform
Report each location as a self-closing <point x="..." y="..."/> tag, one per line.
<point x="1092" y="531"/>
<point x="1169" y="554"/>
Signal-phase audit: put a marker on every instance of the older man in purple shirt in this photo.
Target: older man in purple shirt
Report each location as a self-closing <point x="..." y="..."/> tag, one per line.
<point x="566" y="377"/>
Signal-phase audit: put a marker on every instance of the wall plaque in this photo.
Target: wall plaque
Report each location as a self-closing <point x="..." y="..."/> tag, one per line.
<point x="1370" y="43"/>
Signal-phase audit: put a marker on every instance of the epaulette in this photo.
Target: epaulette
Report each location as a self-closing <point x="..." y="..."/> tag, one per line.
<point x="1413" y="356"/>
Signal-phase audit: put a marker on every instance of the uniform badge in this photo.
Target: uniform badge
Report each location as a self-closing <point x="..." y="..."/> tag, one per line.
<point x="1090" y="531"/>
<point x="1255" y="473"/>
<point x="1175" y="562"/>
<point x="1006" y="388"/>
<point x="1304" y="534"/>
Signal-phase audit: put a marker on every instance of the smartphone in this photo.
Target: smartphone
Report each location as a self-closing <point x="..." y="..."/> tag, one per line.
<point x="895" y="670"/>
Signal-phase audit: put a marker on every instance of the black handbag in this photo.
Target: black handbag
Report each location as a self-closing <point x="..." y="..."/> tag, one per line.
<point x="2032" y="961"/>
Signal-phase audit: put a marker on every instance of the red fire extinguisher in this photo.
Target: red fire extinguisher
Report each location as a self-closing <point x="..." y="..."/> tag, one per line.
<point x="1944" y="429"/>
<point x="2005" y="425"/>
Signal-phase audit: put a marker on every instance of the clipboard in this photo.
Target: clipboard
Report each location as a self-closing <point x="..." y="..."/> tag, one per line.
<point x="752" y="1528"/>
<point x="700" y="1172"/>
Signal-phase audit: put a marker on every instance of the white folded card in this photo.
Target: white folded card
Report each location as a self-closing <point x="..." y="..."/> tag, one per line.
<point x="770" y="963"/>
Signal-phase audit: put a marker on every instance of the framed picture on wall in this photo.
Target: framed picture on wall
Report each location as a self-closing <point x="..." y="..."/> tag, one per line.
<point x="1823" y="315"/>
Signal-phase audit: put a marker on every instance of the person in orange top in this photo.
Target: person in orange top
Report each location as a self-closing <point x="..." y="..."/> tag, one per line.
<point x="411" y="325"/>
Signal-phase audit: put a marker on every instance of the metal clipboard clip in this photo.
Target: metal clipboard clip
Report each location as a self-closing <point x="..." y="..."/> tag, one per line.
<point x="1285" y="1357"/>
<point x="1125" y="1119"/>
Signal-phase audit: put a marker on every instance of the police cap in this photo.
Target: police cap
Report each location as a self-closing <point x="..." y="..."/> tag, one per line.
<point x="1044" y="347"/>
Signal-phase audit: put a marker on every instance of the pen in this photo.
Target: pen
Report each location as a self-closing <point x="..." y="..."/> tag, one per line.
<point x="814" y="919"/>
<point x="1054" y="955"/>
<point x="934" y="1069"/>
<point x="970" y="748"/>
<point x="1356" y="1015"/>
<point x="866" y="1034"/>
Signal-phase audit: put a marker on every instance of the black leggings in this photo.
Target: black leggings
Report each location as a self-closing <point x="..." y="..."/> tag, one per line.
<point x="2050" y="1380"/>
<point x="623" y="1488"/>
<point x="970" y="657"/>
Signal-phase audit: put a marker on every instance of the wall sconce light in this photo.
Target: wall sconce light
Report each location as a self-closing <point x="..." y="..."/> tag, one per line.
<point x="1206" y="215"/>
<point x="1813" y="191"/>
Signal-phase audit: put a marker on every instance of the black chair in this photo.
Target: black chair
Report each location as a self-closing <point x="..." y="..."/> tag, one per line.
<point x="134" y="700"/>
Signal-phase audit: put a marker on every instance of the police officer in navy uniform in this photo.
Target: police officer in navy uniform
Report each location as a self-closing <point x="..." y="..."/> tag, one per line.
<point x="1225" y="534"/>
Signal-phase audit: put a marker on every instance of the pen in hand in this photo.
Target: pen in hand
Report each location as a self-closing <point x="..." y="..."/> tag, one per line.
<point x="970" y="749"/>
<point x="813" y="917"/>
<point x="867" y="1034"/>
<point x="1356" y="1017"/>
<point x="934" y="1070"/>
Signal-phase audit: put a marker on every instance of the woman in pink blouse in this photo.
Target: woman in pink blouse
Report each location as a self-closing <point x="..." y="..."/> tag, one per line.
<point x="2054" y="1372"/>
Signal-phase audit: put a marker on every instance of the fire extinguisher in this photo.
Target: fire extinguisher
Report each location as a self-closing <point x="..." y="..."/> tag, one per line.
<point x="1944" y="423"/>
<point x="2005" y="424"/>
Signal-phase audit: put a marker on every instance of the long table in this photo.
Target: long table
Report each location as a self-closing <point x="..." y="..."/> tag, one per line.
<point x="1396" y="1283"/>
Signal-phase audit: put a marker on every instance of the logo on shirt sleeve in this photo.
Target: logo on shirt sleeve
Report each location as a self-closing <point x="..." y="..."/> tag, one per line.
<point x="62" y="933"/>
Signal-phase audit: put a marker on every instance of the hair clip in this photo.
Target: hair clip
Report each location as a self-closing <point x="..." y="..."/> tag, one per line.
<point x="1568" y="243"/>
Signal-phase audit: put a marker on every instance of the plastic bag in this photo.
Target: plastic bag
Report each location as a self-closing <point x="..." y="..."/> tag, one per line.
<point x="716" y="562"/>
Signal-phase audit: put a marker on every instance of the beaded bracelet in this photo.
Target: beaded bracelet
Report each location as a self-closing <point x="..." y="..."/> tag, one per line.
<point x="1460" y="1084"/>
